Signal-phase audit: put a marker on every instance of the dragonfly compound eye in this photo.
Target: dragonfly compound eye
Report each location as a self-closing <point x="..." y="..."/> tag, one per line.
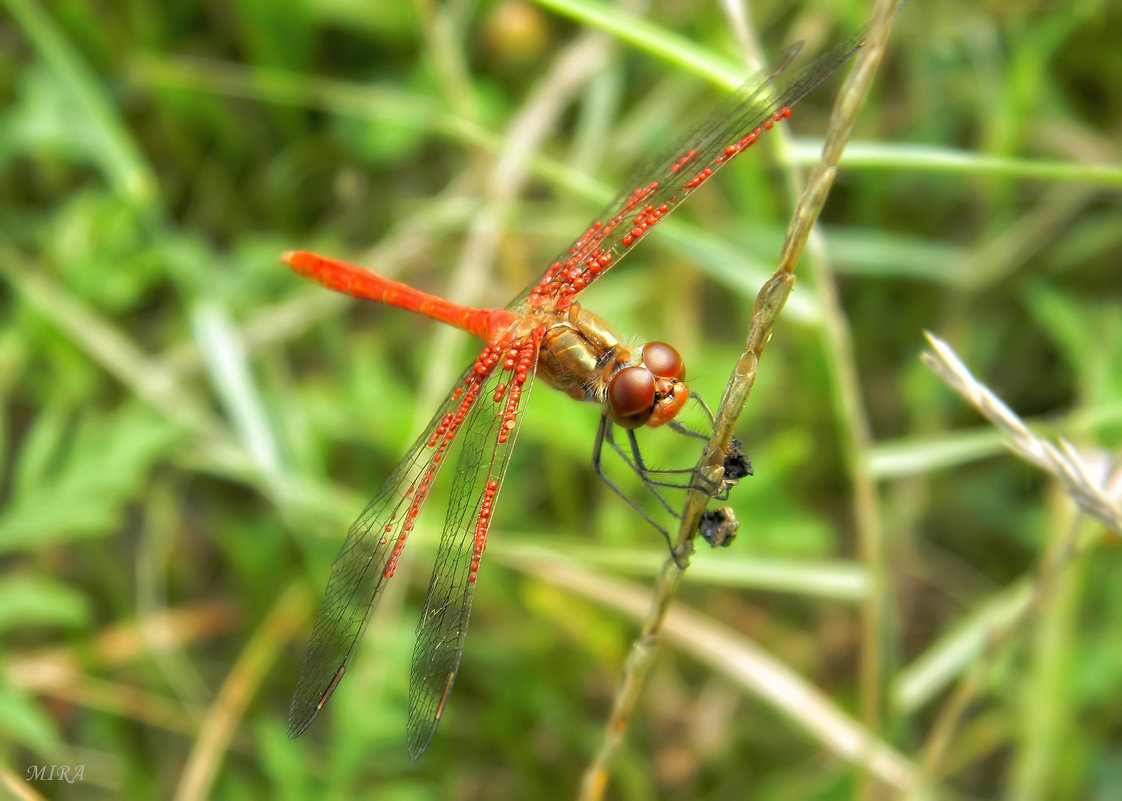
<point x="663" y="361"/>
<point x="631" y="395"/>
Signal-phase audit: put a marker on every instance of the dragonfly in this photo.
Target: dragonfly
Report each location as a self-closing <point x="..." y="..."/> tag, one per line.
<point x="543" y="332"/>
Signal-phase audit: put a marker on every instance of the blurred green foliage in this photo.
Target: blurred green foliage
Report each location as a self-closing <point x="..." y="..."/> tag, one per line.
<point x="188" y="428"/>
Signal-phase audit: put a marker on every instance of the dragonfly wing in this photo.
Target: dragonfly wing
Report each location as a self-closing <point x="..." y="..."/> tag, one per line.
<point x="360" y="572"/>
<point x="488" y="441"/>
<point x="375" y="541"/>
<point x="661" y="186"/>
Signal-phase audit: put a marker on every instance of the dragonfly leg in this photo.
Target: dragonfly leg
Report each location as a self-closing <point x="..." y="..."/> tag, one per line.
<point x="714" y="529"/>
<point x="636" y="463"/>
<point x="736" y="463"/>
<point x="604" y="434"/>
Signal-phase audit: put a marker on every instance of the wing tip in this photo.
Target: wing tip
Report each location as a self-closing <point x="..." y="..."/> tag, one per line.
<point x="416" y="747"/>
<point x="298" y="721"/>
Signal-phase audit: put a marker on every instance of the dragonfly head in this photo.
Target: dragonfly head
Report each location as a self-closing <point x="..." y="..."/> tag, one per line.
<point x="650" y="393"/>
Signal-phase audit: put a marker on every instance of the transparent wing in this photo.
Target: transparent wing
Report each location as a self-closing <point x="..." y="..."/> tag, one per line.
<point x="375" y="541"/>
<point x="487" y="445"/>
<point x="668" y="180"/>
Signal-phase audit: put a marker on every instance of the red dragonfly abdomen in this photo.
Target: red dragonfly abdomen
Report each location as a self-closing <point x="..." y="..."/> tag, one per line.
<point x="487" y="324"/>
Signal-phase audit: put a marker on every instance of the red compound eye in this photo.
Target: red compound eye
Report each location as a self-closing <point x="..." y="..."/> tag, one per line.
<point x="631" y="396"/>
<point x="663" y="361"/>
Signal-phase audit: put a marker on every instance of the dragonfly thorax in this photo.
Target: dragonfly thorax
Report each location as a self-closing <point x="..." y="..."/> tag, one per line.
<point x="583" y="357"/>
